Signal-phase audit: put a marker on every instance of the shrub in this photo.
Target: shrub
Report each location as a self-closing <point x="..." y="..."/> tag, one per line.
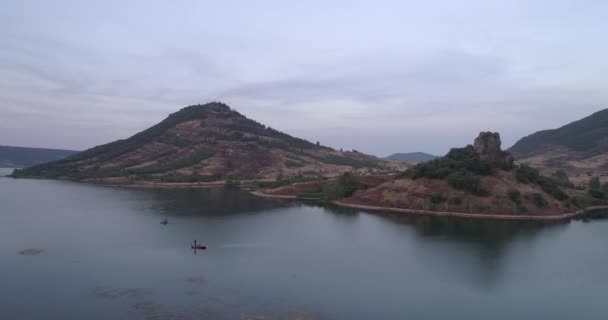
<point x="561" y="178"/>
<point x="456" y="200"/>
<point x="529" y="175"/>
<point x="526" y="174"/>
<point x="539" y="200"/>
<point x="598" y="194"/>
<point x="437" y="198"/>
<point x="594" y="183"/>
<point x="514" y="195"/>
<point x="458" y="159"/>
<point x="466" y="181"/>
<point x="343" y="187"/>
<point x="550" y="187"/>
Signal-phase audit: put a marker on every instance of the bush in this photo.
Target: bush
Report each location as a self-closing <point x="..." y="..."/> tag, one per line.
<point x="539" y="200"/>
<point x="528" y="175"/>
<point x="458" y="159"/>
<point x="456" y="200"/>
<point x="594" y="183"/>
<point x="598" y="194"/>
<point x="437" y="198"/>
<point x="343" y="187"/>
<point x="562" y="179"/>
<point x="467" y="181"/>
<point x="550" y="187"/>
<point x="514" y="195"/>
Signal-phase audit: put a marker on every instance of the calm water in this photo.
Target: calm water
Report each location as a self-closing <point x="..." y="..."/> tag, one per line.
<point x="106" y="256"/>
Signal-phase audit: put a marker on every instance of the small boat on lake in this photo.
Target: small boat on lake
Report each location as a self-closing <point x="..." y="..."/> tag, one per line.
<point x="164" y="221"/>
<point x="198" y="246"/>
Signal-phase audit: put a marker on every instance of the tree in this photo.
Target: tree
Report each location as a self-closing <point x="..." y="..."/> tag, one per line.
<point x="595" y="188"/>
<point x="594" y="183"/>
<point x="514" y="195"/>
<point x="539" y="200"/>
<point x="343" y="187"/>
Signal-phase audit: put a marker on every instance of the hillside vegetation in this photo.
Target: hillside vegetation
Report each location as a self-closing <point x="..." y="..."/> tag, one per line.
<point x="582" y="135"/>
<point x="479" y="178"/>
<point x="580" y="148"/>
<point x="203" y="143"/>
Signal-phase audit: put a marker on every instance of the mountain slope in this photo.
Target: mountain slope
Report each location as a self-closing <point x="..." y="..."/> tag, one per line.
<point x="479" y="178"/>
<point x="578" y="147"/>
<point x="411" y="156"/>
<point x="205" y="143"/>
<point x="18" y="157"/>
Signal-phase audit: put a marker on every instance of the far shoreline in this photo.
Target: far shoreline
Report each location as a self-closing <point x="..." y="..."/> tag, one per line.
<point x="447" y="214"/>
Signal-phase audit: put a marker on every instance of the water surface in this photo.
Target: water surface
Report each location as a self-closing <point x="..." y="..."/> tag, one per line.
<point x="104" y="255"/>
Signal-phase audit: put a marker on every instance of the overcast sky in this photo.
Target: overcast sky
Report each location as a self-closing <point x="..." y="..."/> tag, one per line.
<point x="377" y="76"/>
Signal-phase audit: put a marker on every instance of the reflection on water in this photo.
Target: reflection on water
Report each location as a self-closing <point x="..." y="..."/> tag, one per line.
<point x="209" y="202"/>
<point x="107" y="257"/>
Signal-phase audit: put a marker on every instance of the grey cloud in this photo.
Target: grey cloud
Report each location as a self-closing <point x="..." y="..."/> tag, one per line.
<point x="398" y="76"/>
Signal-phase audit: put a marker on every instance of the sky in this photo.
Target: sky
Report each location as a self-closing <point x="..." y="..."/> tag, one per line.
<point x="376" y="76"/>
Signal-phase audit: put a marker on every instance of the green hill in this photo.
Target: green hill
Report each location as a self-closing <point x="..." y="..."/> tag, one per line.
<point x="583" y="135"/>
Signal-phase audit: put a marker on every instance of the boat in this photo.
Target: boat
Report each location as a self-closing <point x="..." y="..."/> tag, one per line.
<point x="165" y="221"/>
<point x="199" y="247"/>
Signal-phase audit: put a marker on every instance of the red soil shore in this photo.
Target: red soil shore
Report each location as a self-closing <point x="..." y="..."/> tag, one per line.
<point x="525" y="217"/>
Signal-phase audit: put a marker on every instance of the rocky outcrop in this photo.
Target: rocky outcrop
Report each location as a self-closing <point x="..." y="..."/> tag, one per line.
<point x="487" y="144"/>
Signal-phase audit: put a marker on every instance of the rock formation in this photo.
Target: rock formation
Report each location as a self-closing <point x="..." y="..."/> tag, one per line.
<point x="487" y="144"/>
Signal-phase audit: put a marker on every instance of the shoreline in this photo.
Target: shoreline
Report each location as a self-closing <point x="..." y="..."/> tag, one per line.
<point x="165" y="185"/>
<point x="464" y="215"/>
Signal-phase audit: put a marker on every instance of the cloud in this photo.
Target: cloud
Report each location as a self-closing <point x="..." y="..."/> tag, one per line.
<point x="381" y="79"/>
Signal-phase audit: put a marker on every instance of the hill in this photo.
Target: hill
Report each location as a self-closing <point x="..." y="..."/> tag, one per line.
<point x="479" y="178"/>
<point x="411" y="157"/>
<point x="578" y="147"/>
<point x="203" y="143"/>
<point x="19" y="157"/>
<point x="585" y="135"/>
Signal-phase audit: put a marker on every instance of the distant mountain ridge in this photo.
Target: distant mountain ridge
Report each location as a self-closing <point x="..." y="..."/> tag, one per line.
<point x="19" y="157"/>
<point x="578" y="147"/>
<point x="203" y="143"/>
<point x="412" y="156"/>
<point x="585" y="135"/>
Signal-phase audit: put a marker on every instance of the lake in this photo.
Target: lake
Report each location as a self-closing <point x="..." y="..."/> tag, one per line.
<point x="104" y="255"/>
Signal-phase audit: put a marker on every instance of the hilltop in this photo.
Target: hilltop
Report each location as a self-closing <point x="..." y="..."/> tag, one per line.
<point x="576" y="148"/>
<point x="20" y="157"/>
<point x="203" y="143"/>
<point x="413" y="157"/>
<point x="479" y="178"/>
